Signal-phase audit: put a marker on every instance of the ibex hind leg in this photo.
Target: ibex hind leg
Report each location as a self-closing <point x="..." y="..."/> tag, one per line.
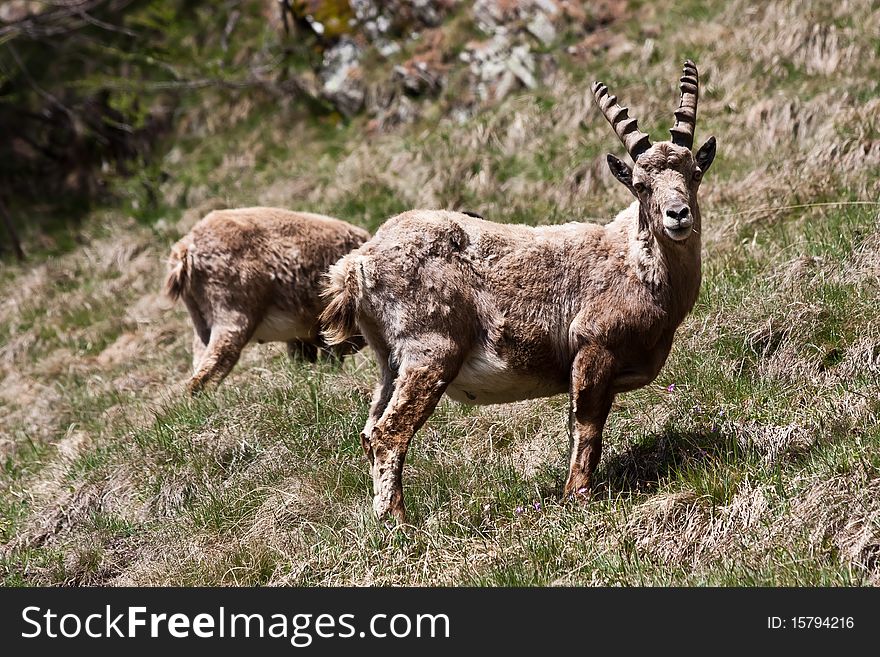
<point x="415" y="392"/>
<point x="228" y="338"/>
<point x="381" y="397"/>
<point x="201" y="331"/>
<point x="337" y="353"/>
<point x="199" y="344"/>
<point x="301" y="350"/>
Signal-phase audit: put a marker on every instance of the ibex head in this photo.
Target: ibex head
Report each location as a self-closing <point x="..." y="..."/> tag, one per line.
<point x="666" y="175"/>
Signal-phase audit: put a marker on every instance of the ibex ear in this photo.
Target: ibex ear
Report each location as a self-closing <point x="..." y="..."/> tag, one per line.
<point x="706" y="154"/>
<point x="622" y="172"/>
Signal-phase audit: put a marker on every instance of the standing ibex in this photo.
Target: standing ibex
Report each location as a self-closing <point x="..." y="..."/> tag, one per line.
<point x="255" y="274"/>
<point x="492" y="313"/>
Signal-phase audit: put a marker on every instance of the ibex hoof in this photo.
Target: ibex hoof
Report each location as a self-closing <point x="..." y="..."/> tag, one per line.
<point x="388" y="513"/>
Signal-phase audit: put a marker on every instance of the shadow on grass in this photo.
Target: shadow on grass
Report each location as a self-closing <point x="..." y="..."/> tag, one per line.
<point x="673" y="455"/>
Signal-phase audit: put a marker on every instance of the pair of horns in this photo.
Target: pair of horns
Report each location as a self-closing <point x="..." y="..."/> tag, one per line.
<point x="627" y="128"/>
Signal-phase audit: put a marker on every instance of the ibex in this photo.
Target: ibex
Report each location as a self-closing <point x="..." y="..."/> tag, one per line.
<point x="255" y="274"/>
<point x="491" y="313"/>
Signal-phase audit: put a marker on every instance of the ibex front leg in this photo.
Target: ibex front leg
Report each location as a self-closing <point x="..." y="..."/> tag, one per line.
<point x="591" y="398"/>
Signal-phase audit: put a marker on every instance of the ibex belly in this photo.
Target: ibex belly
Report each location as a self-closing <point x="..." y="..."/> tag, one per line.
<point x="278" y="326"/>
<point x="486" y="378"/>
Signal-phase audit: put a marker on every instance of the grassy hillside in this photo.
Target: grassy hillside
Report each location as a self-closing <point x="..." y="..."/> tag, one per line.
<point x="754" y="459"/>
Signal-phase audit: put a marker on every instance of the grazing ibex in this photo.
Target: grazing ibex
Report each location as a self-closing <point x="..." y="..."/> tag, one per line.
<point x="491" y="313"/>
<point x="255" y="274"/>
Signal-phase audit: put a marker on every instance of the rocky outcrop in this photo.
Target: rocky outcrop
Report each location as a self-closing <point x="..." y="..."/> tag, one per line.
<point x="515" y="51"/>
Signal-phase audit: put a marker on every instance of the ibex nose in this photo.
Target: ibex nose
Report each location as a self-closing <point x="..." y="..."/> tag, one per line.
<point x="678" y="213"/>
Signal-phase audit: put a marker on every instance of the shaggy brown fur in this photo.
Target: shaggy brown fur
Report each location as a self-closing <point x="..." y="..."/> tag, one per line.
<point x="254" y="274"/>
<point x="491" y="313"/>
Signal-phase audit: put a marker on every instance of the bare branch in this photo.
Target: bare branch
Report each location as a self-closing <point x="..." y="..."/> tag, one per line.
<point x="42" y="92"/>
<point x="230" y="26"/>
<point x="61" y="19"/>
<point x="107" y="26"/>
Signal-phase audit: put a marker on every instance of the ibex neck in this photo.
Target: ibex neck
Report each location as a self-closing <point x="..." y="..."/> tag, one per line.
<point x="672" y="271"/>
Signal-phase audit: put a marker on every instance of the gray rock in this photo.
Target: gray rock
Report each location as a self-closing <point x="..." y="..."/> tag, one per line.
<point x="497" y="66"/>
<point x="341" y="77"/>
<point x="522" y="64"/>
<point x="542" y="28"/>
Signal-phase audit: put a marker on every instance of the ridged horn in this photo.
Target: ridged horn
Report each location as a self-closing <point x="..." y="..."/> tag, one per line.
<point x="627" y="129"/>
<point x="686" y="114"/>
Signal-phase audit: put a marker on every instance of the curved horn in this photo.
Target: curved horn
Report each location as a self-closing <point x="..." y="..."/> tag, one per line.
<point x="686" y="114"/>
<point x="627" y="129"/>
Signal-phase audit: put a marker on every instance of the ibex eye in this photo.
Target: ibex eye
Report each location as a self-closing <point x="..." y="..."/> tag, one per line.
<point x="640" y="187"/>
<point x="697" y="174"/>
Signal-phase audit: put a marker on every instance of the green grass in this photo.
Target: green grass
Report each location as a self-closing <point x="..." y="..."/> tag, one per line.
<point x="369" y="205"/>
